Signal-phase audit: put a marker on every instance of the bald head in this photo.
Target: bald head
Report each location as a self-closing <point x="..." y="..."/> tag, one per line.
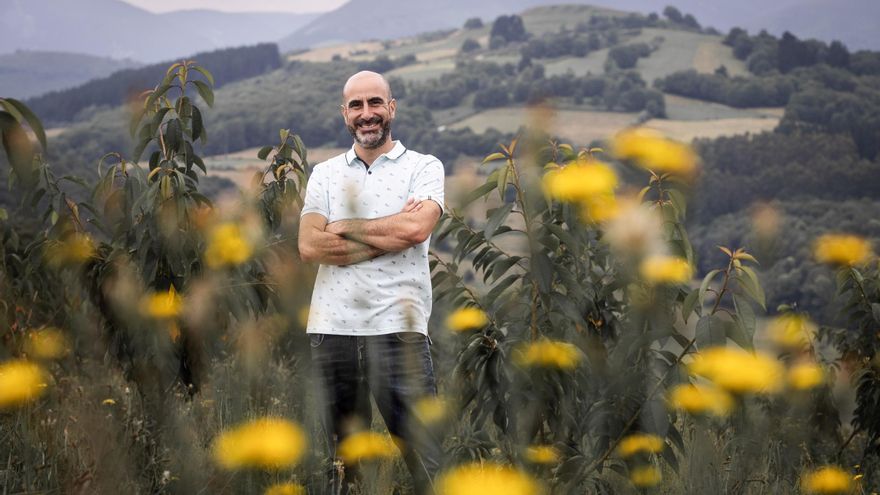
<point x="364" y="82"/>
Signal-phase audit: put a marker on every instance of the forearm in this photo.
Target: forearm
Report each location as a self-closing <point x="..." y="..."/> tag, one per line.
<point x="331" y="249"/>
<point x="391" y="234"/>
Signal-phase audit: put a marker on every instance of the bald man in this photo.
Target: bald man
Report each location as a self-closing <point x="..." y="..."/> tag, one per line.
<point x="367" y="220"/>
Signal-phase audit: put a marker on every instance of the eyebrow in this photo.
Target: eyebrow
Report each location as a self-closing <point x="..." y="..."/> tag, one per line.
<point x="371" y="99"/>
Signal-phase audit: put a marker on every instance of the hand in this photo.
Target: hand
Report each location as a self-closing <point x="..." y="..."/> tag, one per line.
<point x="334" y="227"/>
<point x="412" y="205"/>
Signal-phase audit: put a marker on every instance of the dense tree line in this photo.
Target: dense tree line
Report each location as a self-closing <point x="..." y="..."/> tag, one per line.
<point x="227" y="65"/>
<point x="740" y="92"/>
<point x="626" y="56"/>
<point x="507" y="29"/>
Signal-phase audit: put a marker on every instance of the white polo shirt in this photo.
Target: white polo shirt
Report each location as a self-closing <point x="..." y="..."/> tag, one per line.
<point x="389" y="293"/>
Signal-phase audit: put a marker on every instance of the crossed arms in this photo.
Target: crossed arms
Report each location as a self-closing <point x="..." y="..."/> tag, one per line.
<point x="346" y="242"/>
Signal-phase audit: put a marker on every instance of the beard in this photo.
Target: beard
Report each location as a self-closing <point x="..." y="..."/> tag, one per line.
<point x="373" y="139"/>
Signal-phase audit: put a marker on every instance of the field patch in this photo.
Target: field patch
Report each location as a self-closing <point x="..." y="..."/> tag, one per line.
<point x="345" y="50"/>
<point x="681" y="108"/>
<point x="688" y="130"/>
<point x="240" y="166"/>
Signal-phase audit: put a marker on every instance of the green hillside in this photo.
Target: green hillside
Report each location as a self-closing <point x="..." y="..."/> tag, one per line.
<point x="30" y="73"/>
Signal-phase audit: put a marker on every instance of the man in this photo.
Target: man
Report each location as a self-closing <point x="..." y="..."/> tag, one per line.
<point x="367" y="220"/>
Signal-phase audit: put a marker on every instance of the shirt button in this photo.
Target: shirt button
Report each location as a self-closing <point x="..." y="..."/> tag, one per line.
<point x="369" y="173"/>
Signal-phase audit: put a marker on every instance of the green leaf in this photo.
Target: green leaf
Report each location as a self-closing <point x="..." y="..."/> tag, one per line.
<point x="198" y="126"/>
<point x="264" y="152"/>
<point x="690" y="302"/>
<point x="746" y="319"/>
<point x="678" y="202"/>
<point x="4" y="215"/>
<point x="749" y="283"/>
<point x="502" y="181"/>
<point x="710" y="332"/>
<point x="478" y="193"/>
<point x="496" y="219"/>
<point x="494" y="156"/>
<point x="705" y="285"/>
<point x="206" y="73"/>
<point x="542" y="270"/>
<point x="205" y="92"/>
<point x="31" y="119"/>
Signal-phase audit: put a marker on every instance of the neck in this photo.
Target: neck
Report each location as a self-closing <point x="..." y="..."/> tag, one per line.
<point x="370" y="155"/>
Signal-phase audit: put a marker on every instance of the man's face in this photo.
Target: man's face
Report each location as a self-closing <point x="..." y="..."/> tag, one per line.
<point x="368" y="111"/>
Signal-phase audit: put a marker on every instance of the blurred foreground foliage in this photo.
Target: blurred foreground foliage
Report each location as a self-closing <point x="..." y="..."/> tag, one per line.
<point x="153" y="341"/>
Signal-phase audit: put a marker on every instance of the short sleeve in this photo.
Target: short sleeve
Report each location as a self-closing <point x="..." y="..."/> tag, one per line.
<point x="428" y="182"/>
<point x="316" y="193"/>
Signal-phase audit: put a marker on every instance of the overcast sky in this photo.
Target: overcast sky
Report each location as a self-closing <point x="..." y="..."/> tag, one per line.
<point x="297" y="6"/>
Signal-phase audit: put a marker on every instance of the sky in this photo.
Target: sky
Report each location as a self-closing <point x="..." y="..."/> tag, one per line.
<point x="295" y="6"/>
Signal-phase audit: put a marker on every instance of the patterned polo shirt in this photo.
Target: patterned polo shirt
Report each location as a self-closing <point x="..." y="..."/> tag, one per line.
<point x="389" y="293"/>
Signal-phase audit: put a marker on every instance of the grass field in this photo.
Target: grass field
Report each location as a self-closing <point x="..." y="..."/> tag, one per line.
<point x="681" y="108"/>
<point x="593" y="63"/>
<point x="682" y="50"/>
<point x="239" y="167"/>
<point x="540" y="20"/>
<point x="687" y="130"/>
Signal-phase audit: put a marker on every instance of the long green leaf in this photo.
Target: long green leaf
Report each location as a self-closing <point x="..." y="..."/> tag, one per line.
<point x="32" y="120"/>
<point x="205" y="92"/>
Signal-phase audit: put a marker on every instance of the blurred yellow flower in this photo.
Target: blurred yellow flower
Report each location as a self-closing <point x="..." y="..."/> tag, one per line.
<point x="640" y="443"/>
<point x="841" y="249"/>
<point x="162" y="305"/>
<point x="701" y="399"/>
<point x="542" y="454"/>
<point x="580" y="180"/>
<point x="487" y="479"/>
<point x="266" y="443"/>
<point x="46" y="343"/>
<point x="650" y="150"/>
<point x="645" y="476"/>
<point x="738" y="371"/>
<point x="663" y="269"/>
<point x="227" y="246"/>
<point x="547" y="353"/>
<point x="20" y="382"/>
<point x="430" y="410"/>
<point x="74" y="249"/>
<point x="285" y="489"/>
<point x="805" y="376"/>
<point x="108" y="402"/>
<point x="366" y="446"/>
<point x="827" y="479"/>
<point x="469" y="318"/>
<point x="791" y="330"/>
<point x="600" y="208"/>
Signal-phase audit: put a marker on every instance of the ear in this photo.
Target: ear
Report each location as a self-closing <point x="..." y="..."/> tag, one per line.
<point x="344" y="113"/>
<point x="392" y="107"/>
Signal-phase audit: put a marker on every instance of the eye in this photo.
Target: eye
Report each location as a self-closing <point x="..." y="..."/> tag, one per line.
<point x="376" y="102"/>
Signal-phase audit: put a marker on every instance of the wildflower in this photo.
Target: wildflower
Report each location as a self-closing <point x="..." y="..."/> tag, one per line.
<point x="842" y="250"/>
<point x="469" y="318"/>
<point x="701" y="399"/>
<point x="650" y="150"/>
<point x="805" y="376"/>
<point x="162" y="305"/>
<point x="74" y="249"/>
<point x="20" y="382"/>
<point x="639" y="443"/>
<point x="827" y="479"/>
<point x="580" y="180"/>
<point x="227" y="246"/>
<point x="46" y="343"/>
<point x="430" y="410"/>
<point x="549" y="354"/>
<point x="738" y="371"/>
<point x="600" y="208"/>
<point x="366" y="446"/>
<point x="108" y="402"/>
<point x="542" y="454"/>
<point x="285" y="489"/>
<point x="487" y="479"/>
<point x="645" y="476"/>
<point x="791" y="330"/>
<point x="267" y="443"/>
<point x="663" y="269"/>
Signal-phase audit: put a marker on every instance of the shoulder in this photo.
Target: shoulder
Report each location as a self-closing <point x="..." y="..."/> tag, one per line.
<point x="328" y="165"/>
<point x="421" y="160"/>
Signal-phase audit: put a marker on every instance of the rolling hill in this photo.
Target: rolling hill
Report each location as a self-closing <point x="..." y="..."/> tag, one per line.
<point x="24" y="74"/>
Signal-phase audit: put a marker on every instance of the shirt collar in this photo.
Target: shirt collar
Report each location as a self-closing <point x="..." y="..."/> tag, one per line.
<point x="396" y="152"/>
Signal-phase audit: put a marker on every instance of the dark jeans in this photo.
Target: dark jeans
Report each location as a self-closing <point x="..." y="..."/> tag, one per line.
<point x="397" y="369"/>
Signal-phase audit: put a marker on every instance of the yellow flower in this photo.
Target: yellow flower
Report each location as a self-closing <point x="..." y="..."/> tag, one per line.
<point x="650" y="150"/>
<point x="46" y="343"/>
<point x="366" y="446"/>
<point x="791" y="330"/>
<point x="162" y="305"/>
<point x="430" y="410"/>
<point x="464" y="319"/>
<point x="645" y="476"/>
<point x="805" y="376"/>
<point x="227" y="246"/>
<point x="600" y="208"/>
<point x="74" y="249"/>
<point x="827" y="479"/>
<point x="487" y="479"/>
<point x="267" y="443"/>
<point x="738" y="371"/>
<point x="108" y="402"/>
<point x="640" y="443"/>
<point x="662" y="269"/>
<point x="548" y="354"/>
<point x="843" y="250"/>
<point x="20" y="382"/>
<point x="701" y="399"/>
<point x="285" y="489"/>
<point x="542" y="454"/>
<point x="580" y="180"/>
